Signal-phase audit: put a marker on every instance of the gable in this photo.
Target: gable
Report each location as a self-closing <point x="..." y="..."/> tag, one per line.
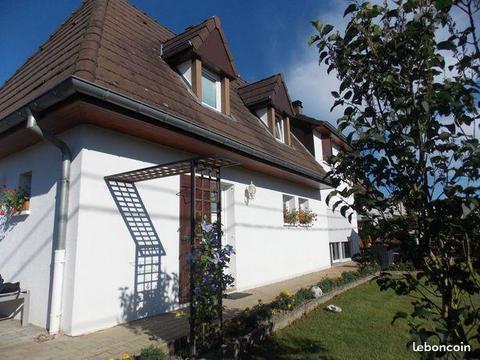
<point x="214" y="54"/>
<point x="205" y="40"/>
<point x="281" y="99"/>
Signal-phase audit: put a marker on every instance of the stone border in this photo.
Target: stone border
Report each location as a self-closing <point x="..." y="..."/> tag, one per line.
<point x="234" y="348"/>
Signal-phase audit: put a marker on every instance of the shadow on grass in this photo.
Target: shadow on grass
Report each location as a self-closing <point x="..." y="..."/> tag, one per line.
<point x="292" y="348"/>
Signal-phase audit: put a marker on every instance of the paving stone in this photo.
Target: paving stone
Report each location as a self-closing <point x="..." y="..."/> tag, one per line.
<point x="18" y="343"/>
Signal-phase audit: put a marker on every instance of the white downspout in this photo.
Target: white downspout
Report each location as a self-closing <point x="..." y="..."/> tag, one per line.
<point x="55" y="311"/>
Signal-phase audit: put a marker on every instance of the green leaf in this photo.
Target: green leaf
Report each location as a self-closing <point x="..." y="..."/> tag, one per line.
<point x="313" y="39"/>
<point x="326" y="29"/>
<point x="443" y="4"/>
<point x="350" y="8"/>
<point x="465" y="211"/>
<point x="446" y="45"/>
<point x="330" y="195"/>
<point x="317" y="25"/>
<point x="343" y="210"/>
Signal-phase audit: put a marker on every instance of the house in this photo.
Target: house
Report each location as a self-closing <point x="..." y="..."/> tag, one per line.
<point x="113" y="91"/>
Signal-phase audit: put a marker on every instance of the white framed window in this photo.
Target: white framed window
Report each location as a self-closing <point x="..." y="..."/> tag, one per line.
<point x="340" y="251"/>
<point x="279" y="133"/>
<point x="211" y="90"/>
<point x="303" y="204"/>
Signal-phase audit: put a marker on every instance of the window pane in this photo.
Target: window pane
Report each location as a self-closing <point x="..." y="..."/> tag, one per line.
<point x="336" y="251"/>
<point x="303" y="204"/>
<point x="288" y="202"/>
<point x="279" y="129"/>
<point x="209" y="91"/>
<point x="346" y="250"/>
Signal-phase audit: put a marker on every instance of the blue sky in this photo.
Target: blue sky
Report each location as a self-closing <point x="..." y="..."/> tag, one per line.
<point x="265" y="37"/>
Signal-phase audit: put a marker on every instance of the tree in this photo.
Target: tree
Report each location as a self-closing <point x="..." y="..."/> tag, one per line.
<point x="409" y="83"/>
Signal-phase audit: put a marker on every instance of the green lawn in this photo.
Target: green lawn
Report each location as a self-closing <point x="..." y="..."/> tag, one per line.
<point x="362" y="331"/>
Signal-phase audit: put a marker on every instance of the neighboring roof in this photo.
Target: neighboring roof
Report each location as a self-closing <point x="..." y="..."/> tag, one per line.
<point x="110" y="45"/>
<point x="207" y="41"/>
<point x="320" y="123"/>
<point x="269" y="91"/>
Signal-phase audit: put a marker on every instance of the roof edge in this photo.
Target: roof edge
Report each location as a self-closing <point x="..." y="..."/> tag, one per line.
<point x="74" y="85"/>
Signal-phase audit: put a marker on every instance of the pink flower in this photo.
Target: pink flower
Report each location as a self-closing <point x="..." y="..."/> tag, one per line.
<point x="2" y="213"/>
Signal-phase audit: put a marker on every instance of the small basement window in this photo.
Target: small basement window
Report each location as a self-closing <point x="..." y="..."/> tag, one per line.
<point x="211" y="90"/>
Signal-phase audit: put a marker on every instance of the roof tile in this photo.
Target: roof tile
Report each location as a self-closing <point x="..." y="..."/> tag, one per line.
<point x="112" y="44"/>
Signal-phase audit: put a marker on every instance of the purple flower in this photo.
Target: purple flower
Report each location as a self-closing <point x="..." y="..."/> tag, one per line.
<point x="207" y="227"/>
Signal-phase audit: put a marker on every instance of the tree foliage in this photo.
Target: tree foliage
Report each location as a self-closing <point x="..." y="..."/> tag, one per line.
<point x="409" y="83"/>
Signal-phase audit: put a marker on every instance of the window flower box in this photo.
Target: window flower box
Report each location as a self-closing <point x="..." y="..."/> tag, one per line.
<point x="290" y="217"/>
<point x="14" y="202"/>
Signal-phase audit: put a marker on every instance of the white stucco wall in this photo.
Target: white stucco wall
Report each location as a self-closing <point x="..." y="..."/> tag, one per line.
<point x="340" y="229"/>
<point x="26" y="241"/>
<point x="103" y="290"/>
<point x="101" y="267"/>
<point x="268" y="251"/>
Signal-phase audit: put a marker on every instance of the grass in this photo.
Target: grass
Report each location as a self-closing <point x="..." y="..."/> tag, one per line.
<point x="362" y="331"/>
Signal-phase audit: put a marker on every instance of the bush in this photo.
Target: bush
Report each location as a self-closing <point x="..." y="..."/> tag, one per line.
<point x="402" y="266"/>
<point x="153" y="353"/>
<point x="349" y="276"/>
<point x="366" y="261"/>
<point x="284" y="301"/>
<point x="303" y="295"/>
<point x="327" y="285"/>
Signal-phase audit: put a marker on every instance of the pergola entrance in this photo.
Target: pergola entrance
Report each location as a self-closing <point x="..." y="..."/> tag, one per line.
<point x="200" y="187"/>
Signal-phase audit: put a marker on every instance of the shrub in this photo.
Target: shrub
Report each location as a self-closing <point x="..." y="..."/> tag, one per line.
<point x="402" y="266"/>
<point x="153" y="353"/>
<point x="366" y="261"/>
<point x="284" y="301"/>
<point x="303" y="295"/>
<point x="327" y="285"/>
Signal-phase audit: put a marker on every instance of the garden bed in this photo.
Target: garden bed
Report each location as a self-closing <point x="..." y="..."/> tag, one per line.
<point x="254" y="325"/>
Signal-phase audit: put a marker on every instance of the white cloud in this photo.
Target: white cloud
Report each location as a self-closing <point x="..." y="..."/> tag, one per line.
<point x="308" y="81"/>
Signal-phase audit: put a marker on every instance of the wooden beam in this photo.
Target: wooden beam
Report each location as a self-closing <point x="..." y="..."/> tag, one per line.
<point x="197" y="77"/>
<point x="226" y="95"/>
<point x="271" y="119"/>
<point x="286" y="130"/>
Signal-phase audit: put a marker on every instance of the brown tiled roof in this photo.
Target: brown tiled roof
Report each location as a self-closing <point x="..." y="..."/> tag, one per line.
<point x="271" y="90"/>
<point x="114" y="45"/>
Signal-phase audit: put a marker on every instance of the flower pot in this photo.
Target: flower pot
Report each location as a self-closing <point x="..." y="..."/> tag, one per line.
<point x="26" y="205"/>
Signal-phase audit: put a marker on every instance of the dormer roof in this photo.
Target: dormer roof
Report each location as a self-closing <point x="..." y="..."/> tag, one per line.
<point x="205" y="40"/>
<point x="271" y="91"/>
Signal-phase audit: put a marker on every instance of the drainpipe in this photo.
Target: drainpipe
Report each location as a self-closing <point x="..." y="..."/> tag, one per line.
<point x="55" y="311"/>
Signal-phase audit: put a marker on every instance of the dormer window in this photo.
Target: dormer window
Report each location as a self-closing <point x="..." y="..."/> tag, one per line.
<point x="269" y="100"/>
<point x="211" y="90"/>
<point x="201" y="55"/>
